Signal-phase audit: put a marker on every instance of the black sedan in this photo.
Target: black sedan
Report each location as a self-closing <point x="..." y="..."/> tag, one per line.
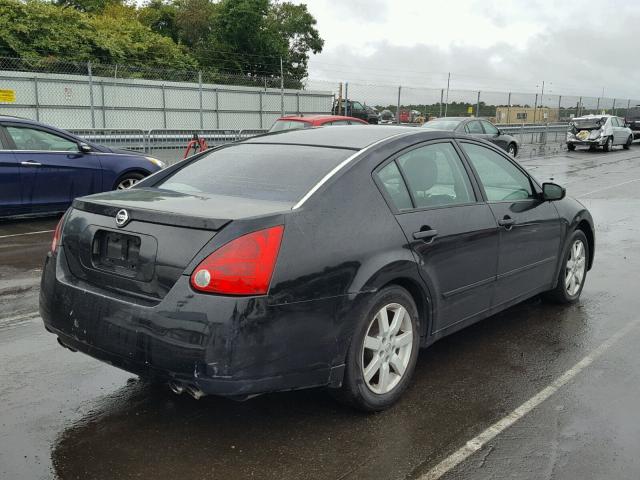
<point x="319" y="257"/>
<point x="476" y="127"/>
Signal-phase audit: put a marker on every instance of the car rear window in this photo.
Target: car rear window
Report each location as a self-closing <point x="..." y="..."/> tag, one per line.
<point x="281" y="125"/>
<point x="283" y="173"/>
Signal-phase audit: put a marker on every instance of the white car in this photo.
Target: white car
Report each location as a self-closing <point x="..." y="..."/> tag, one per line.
<point x="598" y="131"/>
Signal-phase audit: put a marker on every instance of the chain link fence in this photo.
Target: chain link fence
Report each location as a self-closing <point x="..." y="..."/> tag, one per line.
<point x="157" y="111"/>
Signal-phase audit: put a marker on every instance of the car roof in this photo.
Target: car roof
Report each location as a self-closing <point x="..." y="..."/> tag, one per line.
<point x="591" y="115"/>
<point x="355" y="137"/>
<point x="317" y="117"/>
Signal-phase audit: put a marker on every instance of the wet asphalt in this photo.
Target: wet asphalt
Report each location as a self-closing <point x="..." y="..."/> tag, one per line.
<point x="65" y="415"/>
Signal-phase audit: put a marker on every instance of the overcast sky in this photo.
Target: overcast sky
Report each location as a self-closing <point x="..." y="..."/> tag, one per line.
<point x="577" y="48"/>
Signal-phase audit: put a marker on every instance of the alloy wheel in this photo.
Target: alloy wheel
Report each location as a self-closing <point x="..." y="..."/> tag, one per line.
<point x="387" y="348"/>
<point x="127" y="183"/>
<point x="575" y="268"/>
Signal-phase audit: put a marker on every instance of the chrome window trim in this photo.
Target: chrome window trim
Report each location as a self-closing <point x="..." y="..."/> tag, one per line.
<point x="338" y="167"/>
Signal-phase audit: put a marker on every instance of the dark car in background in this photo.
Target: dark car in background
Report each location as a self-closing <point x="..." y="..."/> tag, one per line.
<point x="43" y="168"/>
<point x="294" y="122"/>
<point x="314" y="257"/>
<point x="632" y="120"/>
<point x="476" y="127"/>
<point x="353" y="108"/>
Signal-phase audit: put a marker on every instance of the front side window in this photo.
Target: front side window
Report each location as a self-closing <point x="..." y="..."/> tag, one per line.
<point x="32" y="139"/>
<point x="501" y="179"/>
<point x="474" y="127"/>
<point x="357" y="106"/>
<point x="436" y="176"/>
<point x="489" y="128"/>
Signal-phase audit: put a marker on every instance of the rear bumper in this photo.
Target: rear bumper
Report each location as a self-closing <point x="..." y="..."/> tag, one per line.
<point x="221" y="345"/>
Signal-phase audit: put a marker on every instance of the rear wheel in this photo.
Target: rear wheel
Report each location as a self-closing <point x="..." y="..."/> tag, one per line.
<point x="128" y="180"/>
<point x="573" y="272"/>
<point x="571" y="147"/>
<point x="383" y="352"/>
<point x="608" y="145"/>
<point x="627" y="145"/>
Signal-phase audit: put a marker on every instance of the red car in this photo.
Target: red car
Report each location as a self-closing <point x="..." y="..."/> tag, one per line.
<point x="292" y="122"/>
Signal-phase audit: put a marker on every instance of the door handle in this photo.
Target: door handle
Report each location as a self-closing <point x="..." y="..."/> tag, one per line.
<point x="507" y="222"/>
<point x="30" y="163"/>
<point x="425" y="234"/>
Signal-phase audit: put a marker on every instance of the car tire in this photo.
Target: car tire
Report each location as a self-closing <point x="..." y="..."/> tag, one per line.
<point x="627" y="145"/>
<point x="387" y="382"/>
<point x="571" y="147"/>
<point x="608" y="145"/>
<point x="573" y="270"/>
<point x="128" y="180"/>
<point x="512" y="150"/>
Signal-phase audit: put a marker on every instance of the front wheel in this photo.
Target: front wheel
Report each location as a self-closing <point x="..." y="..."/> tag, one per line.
<point x="608" y="145"/>
<point x="627" y="145"/>
<point x="573" y="271"/>
<point x="128" y="180"/>
<point x="383" y="352"/>
<point x="512" y="150"/>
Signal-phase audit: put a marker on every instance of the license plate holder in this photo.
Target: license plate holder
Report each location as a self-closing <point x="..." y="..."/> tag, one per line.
<point x="116" y="252"/>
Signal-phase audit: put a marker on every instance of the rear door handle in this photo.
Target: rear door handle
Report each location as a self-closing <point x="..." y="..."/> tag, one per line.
<point x="425" y="234"/>
<point x="507" y="222"/>
<point x="30" y="163"/>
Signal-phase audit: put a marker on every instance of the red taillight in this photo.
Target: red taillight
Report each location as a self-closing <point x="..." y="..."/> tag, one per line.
<point x="55" y="241"/>
<point x="241" y="267"/>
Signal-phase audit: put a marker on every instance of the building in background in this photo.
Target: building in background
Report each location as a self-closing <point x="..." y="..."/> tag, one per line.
<point x="526" y="115"/>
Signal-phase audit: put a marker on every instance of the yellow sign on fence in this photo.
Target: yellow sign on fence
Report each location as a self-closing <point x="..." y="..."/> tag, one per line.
<point x="8" y="96"/>
<point x="469" y="109"/>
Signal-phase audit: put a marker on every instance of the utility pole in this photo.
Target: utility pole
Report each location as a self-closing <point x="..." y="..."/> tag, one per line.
<point x="446" y="105"/>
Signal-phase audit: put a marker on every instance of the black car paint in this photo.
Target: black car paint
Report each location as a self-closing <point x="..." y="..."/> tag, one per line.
<point x="340" y="247"/>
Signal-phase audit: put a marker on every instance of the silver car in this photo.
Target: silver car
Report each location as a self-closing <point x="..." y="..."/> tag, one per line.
<point x="598" y="131"/>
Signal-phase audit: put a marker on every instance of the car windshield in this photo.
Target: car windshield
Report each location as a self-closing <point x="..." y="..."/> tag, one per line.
<point x="442" y="124"/>
<point x="594" y="122"/>
<point x="281" y="173"/>
<point x="281" y="125"/>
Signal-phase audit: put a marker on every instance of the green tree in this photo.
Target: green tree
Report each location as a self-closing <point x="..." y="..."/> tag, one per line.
<point x="88" y="5"/>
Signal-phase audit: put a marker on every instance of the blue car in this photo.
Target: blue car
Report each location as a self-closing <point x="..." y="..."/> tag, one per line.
<point x="43" y="168"/>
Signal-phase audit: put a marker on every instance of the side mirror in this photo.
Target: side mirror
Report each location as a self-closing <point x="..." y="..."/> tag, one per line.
<point x="552" y="191"/>
<point x="84" y="147"/>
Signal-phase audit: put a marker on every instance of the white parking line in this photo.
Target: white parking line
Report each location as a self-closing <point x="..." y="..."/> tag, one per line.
<point x="610" y="186"/>
<point x="478" y="442"/>
<point x="27" y="233"/>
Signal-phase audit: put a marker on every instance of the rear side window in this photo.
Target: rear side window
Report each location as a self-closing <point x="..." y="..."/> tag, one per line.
<point x="274" y="172"/>
<point x="281" y="125"/>
<point x="474" y="127"/>
<point x="436" y="176"/>
<point x="393" y="183"/>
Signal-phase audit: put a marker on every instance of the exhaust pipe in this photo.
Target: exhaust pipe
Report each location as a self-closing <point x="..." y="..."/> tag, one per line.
<point x="195" y="392"/>
<point x="176" y="388"/>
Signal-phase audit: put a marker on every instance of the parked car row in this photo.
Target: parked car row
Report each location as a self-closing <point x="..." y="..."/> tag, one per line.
<point x="43" y="168"/>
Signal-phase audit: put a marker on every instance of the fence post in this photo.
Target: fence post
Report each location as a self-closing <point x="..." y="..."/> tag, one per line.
<point x="104" y="115"/>
<point x="559" y="107"/>
<point x="398" y="108"/>
<point x="298" y="101"/>
<point x="260" y="111"/>
<point x="200" y="93"/>
<point x="441" y="100"/>
<point x="579" y="112"/>
<point x="509" y="108"/>
<point x="346" y="99"/>
<point x="598" y="105"/>
<point x="478" y="105"/>
<point x="613" y="107"/>
<point x="93" y="118"/>
<point x="281" y="89"/>
<point x="217" y="109"/>
<point x="35" y="86"/>
<point x="446" y="105"/>
<point x="164" y="107"/>
<point x="628" y="108"/>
